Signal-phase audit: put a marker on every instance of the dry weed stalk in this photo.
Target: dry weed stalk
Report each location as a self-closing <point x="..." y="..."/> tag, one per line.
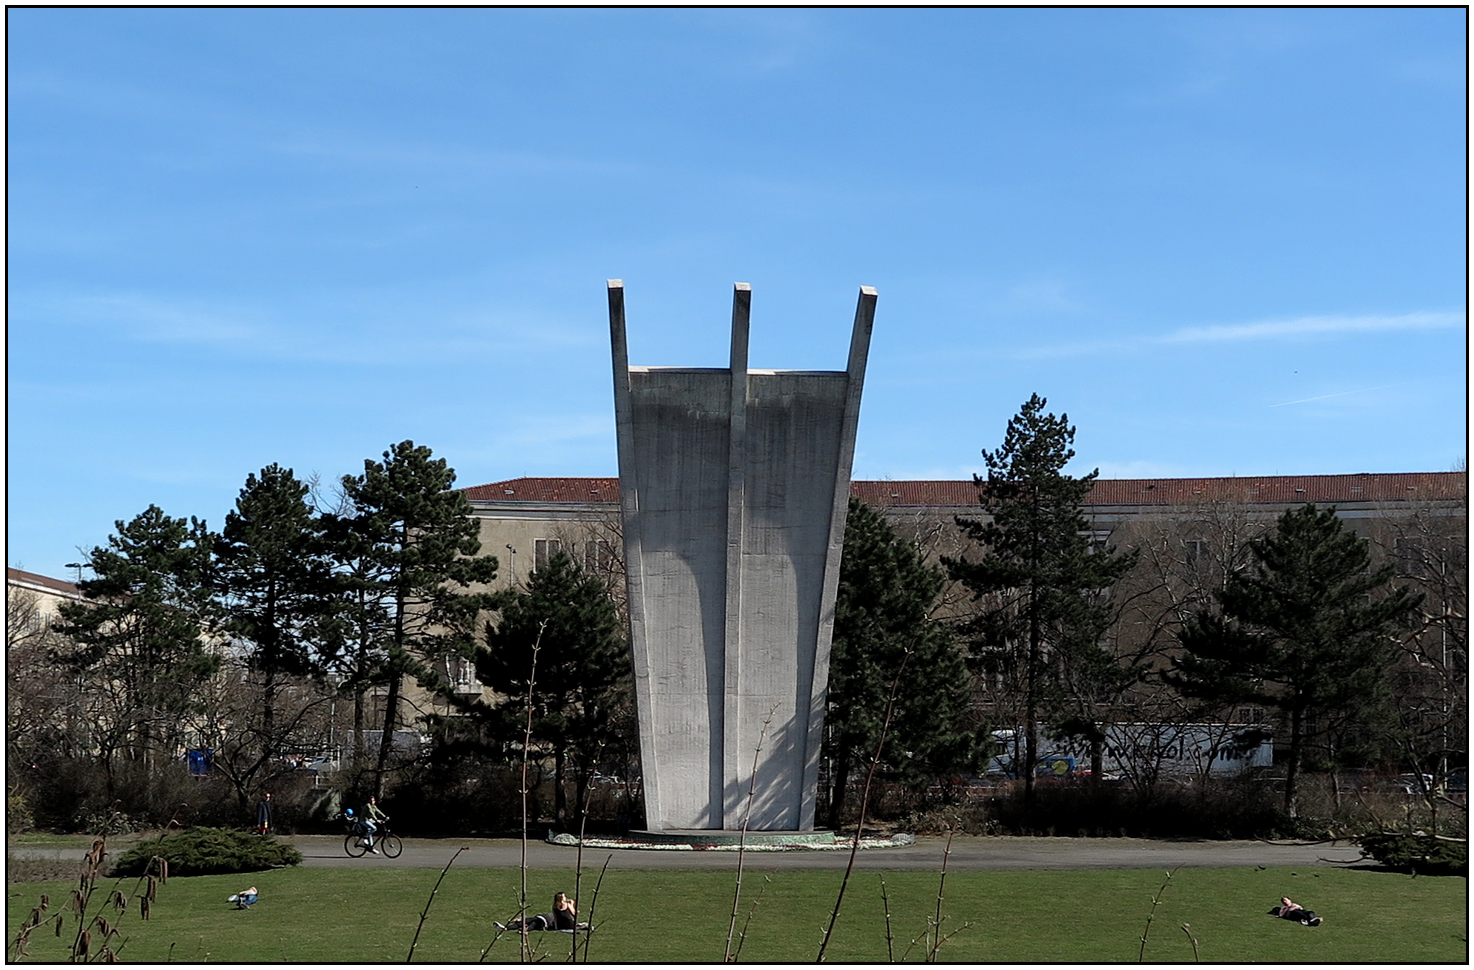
<point x="593" y="903"/>
<point x="1146" y="931"/>
<point x="583" y="822"/>
<point x="429" y="902"/>
<point x="97" y="939"/>
<point x="890" y="942"/>
<point x="487" y="949"/>
<point x="1187" y="928"/>
<point x="727" y="955"/>
<point x="526" y="745"/>
<point x="885" y="726"/>
<point x="752" y="911"/>
<point x="936" y="926"/>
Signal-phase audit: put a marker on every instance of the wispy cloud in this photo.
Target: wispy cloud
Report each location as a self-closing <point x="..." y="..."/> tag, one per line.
<point x="1313" y="326"/>
<point x="1294" y="328"/>
<point x="536" y="430"/>
<point x="1323" y="397"/>
<point x="339" y="335"/>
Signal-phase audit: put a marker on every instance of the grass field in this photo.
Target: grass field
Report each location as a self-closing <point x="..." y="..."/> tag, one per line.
<point x="346" y="915"/>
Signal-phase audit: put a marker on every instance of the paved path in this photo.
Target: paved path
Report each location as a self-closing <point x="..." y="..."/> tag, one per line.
<point x="926" y="854"/>
<point x="971" y="853"/>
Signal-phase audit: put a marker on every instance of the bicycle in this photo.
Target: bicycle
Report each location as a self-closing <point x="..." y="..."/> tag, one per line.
<point x="384" y="840"/>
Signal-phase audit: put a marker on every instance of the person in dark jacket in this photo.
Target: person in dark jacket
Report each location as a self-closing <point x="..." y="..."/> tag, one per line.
<point x="563" y="917"/>
<point x="263" y="814"/>
<point x="1288" y="909"/>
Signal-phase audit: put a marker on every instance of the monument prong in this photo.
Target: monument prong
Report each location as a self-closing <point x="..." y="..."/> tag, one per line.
<point x="839" y="512"/>
<point x="629" y="512"/>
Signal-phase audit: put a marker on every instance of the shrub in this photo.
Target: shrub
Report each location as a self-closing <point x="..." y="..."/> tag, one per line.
<point x="17" y="815"/>
<point x="208" y="851"/>
<point x="1419" y="854"/>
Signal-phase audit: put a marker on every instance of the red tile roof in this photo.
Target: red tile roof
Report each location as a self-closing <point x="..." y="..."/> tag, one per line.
<point x="547" y="490"/>
<point x="1272" y="489"/>
<point x="24" y="578"/>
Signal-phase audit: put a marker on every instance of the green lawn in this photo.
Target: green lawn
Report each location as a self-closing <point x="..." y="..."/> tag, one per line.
<point x="369" y="915"/>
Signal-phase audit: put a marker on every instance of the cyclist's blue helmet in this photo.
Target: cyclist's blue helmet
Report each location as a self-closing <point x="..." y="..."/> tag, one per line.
<point x="349" y="812"/>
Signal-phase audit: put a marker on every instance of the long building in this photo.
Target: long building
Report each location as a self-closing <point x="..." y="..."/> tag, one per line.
<point x="524" y="519"/>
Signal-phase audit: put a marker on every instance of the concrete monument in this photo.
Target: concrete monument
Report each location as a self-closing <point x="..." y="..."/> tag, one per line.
<point x="735" y="486"/>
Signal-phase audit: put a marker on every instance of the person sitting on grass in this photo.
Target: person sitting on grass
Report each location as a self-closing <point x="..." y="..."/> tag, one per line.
<point x="1287" y="909"/>
<point x="563" y="917"/>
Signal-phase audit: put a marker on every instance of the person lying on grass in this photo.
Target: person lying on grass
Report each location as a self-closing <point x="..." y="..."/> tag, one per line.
<point x="1288" y="909"/>
<point x="243" y="899"/>
<point x="564" y="917"/>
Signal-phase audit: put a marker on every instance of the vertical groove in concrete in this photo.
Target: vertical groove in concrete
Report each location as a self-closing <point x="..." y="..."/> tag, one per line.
<point x="736" y="501"/>
<point x="735" y="491"/>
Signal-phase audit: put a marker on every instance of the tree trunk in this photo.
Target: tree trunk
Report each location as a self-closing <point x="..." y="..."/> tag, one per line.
<point x="270" y="658"/>
<point x="560" y="798"/>
<point x="1097" y="761"/>
<point x="386" y="741"/>
<point x="837" y="785"/>
<point x="1031" y="702"/>
<point x="1292" y="765"/>
<point x="391" y="701"/>
<point x="358" y="719"/>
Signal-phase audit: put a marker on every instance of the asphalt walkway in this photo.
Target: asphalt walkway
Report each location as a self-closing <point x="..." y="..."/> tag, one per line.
<point x="968" y="854"/>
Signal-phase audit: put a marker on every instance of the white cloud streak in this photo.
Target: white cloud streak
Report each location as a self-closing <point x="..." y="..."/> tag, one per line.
<point x="389" y="336"/>
<point x="1295" y="328"/>
<point x="1323" y="397"/>
<point x="1313" y="326"/>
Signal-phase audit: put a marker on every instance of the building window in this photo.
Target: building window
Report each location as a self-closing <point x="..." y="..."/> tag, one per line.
<point x="543" y="550"/>
<point x="598" y="556"/>
<point x="1197" y="549"/>
<point x="1408" y="551"/>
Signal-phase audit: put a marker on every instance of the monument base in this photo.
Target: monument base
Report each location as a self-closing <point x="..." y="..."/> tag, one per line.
<point x="724" y="840"/>
<point x="715" y="837"/>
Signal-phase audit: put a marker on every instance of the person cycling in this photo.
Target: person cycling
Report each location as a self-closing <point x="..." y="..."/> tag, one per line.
<point x="373" y="816"/>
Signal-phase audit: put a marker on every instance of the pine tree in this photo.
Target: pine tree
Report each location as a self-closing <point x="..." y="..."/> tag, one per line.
<point x="139" y="638"/>
<point x="271" y="575"/>
<point x="410" y="544"/>
<point x="582" y="671"/>
<point x="1041" y="584"/>
<point x="885" y="637"/>
<point x="1307" y="630"/>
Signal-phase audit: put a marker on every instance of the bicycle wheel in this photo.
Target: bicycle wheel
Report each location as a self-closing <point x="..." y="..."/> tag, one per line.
<point x="391" y="846"/>
<point x="354" y="846"/>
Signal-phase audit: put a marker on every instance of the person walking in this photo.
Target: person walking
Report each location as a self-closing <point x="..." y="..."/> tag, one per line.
<point x="263" y="814"/>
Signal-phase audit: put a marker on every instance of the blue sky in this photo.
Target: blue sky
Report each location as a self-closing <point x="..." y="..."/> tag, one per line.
<point x="1225" y="242"/>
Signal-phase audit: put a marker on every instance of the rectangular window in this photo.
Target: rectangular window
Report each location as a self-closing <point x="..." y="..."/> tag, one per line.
<point x="598" y="556"/>
<point x="543" y="550"/>
<point x="1408" y="551"/>
<point x="1196" y="549"/>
